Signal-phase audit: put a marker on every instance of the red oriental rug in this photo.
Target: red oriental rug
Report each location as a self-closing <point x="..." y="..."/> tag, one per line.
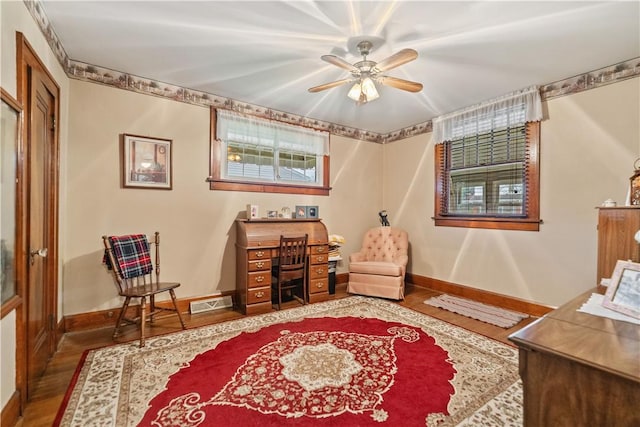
<point x="350" y="362"/>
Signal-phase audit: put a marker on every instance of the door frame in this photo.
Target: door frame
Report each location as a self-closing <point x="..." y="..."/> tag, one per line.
<point x="28" y="60"/>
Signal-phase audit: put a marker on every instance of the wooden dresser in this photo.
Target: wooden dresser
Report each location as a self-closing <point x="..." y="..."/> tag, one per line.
<point x="579" y="369"/>
<point x="616" y="228"/>
<point x="257" y="243"/>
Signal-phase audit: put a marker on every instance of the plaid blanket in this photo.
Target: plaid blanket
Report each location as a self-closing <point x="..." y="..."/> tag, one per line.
<point x="132" y="255"/>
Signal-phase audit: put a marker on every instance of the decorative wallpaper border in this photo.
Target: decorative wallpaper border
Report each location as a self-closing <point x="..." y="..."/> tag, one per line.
<point x="93" y="73"/>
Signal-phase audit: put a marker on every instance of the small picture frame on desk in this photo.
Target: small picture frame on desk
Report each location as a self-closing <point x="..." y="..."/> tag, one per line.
<point x="312" y="212"/>
<point x="623" y="292"/>
<point x="253" y="212"/>
<point x="301" y="211"/>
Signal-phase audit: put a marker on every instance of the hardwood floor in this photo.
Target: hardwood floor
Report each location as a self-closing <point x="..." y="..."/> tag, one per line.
<point x="43" y="406"/>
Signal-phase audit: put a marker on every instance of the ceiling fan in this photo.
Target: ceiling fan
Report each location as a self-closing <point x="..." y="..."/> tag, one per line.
<point x="366" y="73"/>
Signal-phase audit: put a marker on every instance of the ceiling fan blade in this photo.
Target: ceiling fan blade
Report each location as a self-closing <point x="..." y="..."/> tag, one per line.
<point x="329" y="85"/>
<point x="397" y="59"/>
<point x="407" y="85"/>
<point x="339" y="62"/>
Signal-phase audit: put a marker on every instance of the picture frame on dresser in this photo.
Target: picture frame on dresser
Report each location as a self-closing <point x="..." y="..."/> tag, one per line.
<point x="623" y="292"/>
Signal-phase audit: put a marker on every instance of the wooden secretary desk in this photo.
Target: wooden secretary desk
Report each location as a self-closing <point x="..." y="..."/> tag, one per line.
<point x="257" y="244"/>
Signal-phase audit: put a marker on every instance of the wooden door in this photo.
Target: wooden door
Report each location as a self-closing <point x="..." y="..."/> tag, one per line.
<point x="40" y="322"/>
<point x="38" y="229"/>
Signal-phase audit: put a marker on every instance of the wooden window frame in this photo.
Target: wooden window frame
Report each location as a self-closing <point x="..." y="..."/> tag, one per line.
<point x="216" y="182"/>
<point x="15" y="300"/>
<point x="530" y="222"/>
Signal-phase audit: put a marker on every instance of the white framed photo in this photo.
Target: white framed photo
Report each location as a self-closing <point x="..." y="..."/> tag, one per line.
<point x="623" y="292"/>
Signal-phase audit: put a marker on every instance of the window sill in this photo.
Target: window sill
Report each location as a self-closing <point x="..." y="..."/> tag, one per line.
<point x="222" y="185"/>
<point x="492" y="223"/>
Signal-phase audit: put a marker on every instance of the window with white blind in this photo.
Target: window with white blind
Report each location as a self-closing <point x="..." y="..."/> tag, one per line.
<point x="487" y="168"/>
<point x="253" y="154"/>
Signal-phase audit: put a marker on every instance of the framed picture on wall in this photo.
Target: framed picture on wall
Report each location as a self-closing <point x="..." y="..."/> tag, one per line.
<point x="623" y="292"/>
<point x="146" y="162"/>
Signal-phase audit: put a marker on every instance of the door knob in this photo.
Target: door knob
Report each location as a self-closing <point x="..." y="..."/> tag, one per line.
<point x="42" y="252"/>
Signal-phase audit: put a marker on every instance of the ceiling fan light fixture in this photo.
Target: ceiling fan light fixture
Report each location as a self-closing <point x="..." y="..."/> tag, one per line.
<point x="369" y="89"/>
<point x="363" y="91"/>
<point x="355" y="92"/>
<point x="367" y="73"/>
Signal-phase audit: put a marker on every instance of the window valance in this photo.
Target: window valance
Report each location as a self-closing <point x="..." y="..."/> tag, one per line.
<point x="260" y="132"/>
<point x="506" y="111"/>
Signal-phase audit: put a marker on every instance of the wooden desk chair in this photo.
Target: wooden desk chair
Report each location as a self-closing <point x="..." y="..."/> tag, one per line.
<point x="129" y="258"/>
<point x="291" y="268"/>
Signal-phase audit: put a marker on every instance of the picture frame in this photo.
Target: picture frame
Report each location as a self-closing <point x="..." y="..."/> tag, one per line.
<point x="301" y="211"/>
<point x="253" y="211"/>
<point x="312" y="211"/>
<point x="272" y="214"/>
<point x="623" y="292"/>
<point x="146" y="162"/>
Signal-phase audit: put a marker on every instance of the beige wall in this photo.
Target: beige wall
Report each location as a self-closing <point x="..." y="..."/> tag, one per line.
<point x="197" y="224"/>
<point x="589" y="142"/>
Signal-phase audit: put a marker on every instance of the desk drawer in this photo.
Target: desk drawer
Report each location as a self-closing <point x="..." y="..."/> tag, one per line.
<point x="318" y="285"/>
<point x="255" y="254"/>
<point x="258" y="279"/>
<point x="318" y="259"/>
<point x="260" y="265"/>
<point x="320" y="271"/>
<point x="257" y="295"/>
<point x="319" y="249"/>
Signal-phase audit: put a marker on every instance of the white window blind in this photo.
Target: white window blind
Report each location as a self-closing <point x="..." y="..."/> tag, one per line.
<point x="510" y="110"/>
<point x="263" y="150"/>
<point x="260" y="132"/>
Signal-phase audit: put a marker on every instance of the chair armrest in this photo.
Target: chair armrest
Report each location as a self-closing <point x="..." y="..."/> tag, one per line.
<point x="357" y="257"/>
<point x="401" y="260"/>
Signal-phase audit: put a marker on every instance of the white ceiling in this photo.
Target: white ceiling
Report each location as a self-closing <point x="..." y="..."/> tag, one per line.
<point x="267" y="53"/>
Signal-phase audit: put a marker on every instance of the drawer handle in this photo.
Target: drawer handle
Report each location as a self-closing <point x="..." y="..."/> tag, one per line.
<point x="260" y="264"/>
<point x="320" y="258"/>
<point x="320" y="270"/>
<point x="260" y="254"/>
<point x="259" y="279"/>
<point x="259" y="294"/>
<point x="320" y="249"/>
<point x="320" y="285"/>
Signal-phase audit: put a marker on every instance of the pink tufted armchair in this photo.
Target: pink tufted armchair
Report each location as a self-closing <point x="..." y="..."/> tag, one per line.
<point x="378" y="268"/>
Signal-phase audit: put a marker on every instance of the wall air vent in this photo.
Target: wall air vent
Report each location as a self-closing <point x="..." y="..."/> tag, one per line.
<point x="210" y="304"/>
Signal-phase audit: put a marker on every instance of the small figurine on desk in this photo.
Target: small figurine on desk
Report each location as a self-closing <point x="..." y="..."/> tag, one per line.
<point x="383" y="218"/>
